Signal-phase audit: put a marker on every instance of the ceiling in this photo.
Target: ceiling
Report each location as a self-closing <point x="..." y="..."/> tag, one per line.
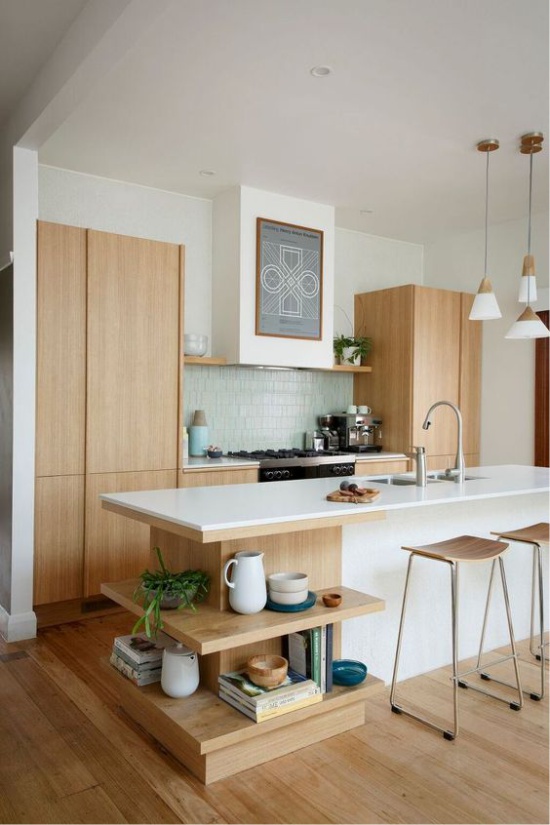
<point x="389" y="137"/>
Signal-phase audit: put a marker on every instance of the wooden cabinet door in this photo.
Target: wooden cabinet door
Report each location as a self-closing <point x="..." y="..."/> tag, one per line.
<point x="436" y="359"/>
<point x="215" y="478"/>
<point x="133" y="380"/>
<point x="471" y="333"/>
<point x="116" y="548"/>
<point x="387" y="316"/>
<point x="61" y="350"/>
<point x="58" y="538"/>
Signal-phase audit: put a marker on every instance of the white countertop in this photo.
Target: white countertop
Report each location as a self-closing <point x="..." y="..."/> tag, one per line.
<point x="207" y="510"/>
<point x="228" y="463"/>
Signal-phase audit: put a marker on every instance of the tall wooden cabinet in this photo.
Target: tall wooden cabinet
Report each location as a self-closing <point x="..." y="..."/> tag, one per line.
<point x="424" y="350"/>
<point x="109" y="373"/>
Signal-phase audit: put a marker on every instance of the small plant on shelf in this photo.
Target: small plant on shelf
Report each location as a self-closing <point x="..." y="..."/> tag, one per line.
<point x="162" y="590"/>
<point x="349" y="349"/>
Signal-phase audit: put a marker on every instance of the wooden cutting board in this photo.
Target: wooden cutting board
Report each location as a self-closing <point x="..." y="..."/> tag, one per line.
<point x="358" y="498"/>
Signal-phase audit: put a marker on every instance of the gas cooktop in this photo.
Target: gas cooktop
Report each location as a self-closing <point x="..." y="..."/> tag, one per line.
<point x="291" y="456"/>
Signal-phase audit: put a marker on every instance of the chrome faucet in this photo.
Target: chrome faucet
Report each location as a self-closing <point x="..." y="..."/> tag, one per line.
<point x="459" y="469"/>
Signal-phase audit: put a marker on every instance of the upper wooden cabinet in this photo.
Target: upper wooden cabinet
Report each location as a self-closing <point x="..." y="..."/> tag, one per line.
<point x="424" y="350"/>
<point x="61" y="350"/>
<point x="134" y="297"/>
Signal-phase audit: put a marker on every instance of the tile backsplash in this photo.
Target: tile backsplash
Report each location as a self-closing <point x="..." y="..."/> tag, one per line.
<point x="248" y="409"/>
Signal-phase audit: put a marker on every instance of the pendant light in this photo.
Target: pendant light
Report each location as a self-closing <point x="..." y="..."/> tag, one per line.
<point x="529" y="325"/>
<point x="485" y="306"/>
<point x="530" y="145"/>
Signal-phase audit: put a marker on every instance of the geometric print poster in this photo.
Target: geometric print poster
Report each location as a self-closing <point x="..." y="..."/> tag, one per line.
<point x="289" y="280"/>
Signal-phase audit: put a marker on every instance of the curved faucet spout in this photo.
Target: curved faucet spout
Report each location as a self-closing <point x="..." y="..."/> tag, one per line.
<point x="459" y="462"/>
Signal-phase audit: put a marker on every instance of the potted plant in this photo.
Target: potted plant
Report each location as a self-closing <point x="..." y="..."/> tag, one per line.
<point x="164" y="590"/>
<point x="349" y="349"/>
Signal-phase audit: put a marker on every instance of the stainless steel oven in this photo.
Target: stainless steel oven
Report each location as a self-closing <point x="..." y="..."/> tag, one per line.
<point x="293" y="464"/>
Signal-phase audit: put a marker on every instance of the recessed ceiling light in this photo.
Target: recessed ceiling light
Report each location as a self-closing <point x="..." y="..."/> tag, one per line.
<point x="366" y="211"/>
<point x="320" y="71"/>
<point x="207" y="173"/>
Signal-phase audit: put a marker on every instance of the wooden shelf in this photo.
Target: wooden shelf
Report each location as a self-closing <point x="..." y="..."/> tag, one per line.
<point x="210" y="630"/>
<point x="205" y="360"/>
<point x="350" y="368"/>
<point x="215" y="740"/>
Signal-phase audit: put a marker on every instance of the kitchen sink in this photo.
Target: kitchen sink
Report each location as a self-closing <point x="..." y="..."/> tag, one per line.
<point x="406" y="480"/>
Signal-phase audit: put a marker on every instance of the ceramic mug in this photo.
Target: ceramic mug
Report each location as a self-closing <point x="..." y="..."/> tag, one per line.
<point x="352" y="409"/>
<point x="364" y="410"/>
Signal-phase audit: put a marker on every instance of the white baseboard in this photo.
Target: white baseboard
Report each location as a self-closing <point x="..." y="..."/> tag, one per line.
<point x="16" y="628"/>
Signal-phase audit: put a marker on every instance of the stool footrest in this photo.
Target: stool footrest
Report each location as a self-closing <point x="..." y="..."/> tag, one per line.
<point x="447" y="734"/>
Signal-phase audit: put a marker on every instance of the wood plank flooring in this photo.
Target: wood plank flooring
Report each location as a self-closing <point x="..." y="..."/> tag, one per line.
<point x="68" y="754"/>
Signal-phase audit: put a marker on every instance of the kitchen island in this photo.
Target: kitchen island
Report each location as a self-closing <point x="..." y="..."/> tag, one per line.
<point x="352" y="547"/>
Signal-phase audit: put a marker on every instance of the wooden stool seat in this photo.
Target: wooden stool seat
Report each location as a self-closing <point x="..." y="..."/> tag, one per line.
<point x="534" y="534"/>
<point x="453" y="553"/>
<point x="461" y="548"/>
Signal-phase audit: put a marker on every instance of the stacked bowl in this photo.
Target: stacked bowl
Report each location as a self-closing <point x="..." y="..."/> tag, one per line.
<point x="288" y="588"/>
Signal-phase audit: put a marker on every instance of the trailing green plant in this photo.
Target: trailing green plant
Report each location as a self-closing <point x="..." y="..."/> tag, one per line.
<point x="188" y="587"/>
<point x="360" y="347"/>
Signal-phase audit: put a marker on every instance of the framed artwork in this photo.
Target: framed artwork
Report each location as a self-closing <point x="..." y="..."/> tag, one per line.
<point x="289" y="280"/>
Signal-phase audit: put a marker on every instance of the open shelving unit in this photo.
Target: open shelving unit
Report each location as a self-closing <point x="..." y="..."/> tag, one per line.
<point x="211" y="738"/>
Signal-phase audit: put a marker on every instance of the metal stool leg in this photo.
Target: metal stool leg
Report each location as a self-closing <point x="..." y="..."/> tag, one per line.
<point x="537" y="563"/>
<point x="538" y="651"/>
<point x="514" y="656"/>
<point x="396" y="708"/>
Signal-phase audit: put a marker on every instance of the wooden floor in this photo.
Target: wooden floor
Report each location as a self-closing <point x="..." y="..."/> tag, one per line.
<point x="69" y="755"/>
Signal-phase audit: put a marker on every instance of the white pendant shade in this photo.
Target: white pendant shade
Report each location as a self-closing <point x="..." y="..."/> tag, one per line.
<point x="485" y="306"/>
<point x="528" y="283"/>
<point x="528" y="325"/>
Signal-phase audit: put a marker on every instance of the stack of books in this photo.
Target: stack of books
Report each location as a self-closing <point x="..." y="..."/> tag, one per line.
<point x="139" y="658"/>
<point x="261" y="704"/>
<point x="309" y="653"/>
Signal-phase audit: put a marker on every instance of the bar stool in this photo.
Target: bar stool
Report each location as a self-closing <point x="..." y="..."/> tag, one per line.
<point x="463" y="550"/>
<point x="536" y="535"/>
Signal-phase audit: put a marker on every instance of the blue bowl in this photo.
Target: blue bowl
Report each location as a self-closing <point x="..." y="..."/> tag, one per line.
<point x="214" y="453"/>
<point x="348" y="672"/>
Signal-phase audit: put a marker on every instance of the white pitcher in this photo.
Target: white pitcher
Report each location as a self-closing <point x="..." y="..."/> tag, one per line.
<point x="247" y="588"/>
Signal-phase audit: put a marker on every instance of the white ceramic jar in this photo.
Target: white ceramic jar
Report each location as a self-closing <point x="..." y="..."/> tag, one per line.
<point x="180" y="671"/>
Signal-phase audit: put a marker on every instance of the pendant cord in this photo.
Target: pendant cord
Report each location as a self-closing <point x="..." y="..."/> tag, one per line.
<point x="530" y="192"/>
<point x="486" y="209"/>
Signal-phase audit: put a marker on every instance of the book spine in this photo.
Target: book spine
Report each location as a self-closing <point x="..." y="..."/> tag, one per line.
<point x="265" y="715"/>
<point x="134" y="655"/>
<point x="324" y="659"/>
<point x="143" y="666"/>
<point x="330" y="637"/>
<point x="305" y="690"/>
<point x="139" y="679"/>
<point x="316" y="654"/>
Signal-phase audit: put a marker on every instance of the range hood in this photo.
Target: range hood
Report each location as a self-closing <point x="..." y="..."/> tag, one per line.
<point x="234" y="298"/>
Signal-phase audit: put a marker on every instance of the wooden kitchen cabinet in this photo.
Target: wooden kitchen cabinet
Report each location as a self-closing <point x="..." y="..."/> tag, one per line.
<point x="58" y="538"/>
<point x="113" y="546"/>
<point x="214" y="477"/>
<point x="108" y="410"/>
<point x="425" y="350"/>
<point x="133" y="354"/>
<point x="61" y="350"/>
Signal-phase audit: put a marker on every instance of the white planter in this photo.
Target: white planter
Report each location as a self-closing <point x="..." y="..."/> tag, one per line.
<point x="349" y="358"/>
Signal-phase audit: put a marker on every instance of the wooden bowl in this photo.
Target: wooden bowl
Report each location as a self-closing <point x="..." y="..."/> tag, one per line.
<point x="267" y="670"/>
<point x="332" y="599"/>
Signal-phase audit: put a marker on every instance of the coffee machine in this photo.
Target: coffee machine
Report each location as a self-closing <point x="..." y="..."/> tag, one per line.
<point x="358" y="433"/>
<point x="329" y="432"/>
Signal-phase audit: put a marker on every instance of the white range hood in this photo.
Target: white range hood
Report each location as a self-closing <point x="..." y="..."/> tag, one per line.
<point x="234" y="280"/>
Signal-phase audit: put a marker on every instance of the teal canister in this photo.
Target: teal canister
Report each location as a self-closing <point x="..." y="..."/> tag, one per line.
<point x="198" y="434"/>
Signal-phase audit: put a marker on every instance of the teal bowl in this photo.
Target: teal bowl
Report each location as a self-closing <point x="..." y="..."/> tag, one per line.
<point x="348" y="672"/>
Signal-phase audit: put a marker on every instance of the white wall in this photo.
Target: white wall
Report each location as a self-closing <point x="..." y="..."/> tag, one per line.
<point x="127" y="209"/>
<point x="507" y="401"/>
<point x="366" y="262"/>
